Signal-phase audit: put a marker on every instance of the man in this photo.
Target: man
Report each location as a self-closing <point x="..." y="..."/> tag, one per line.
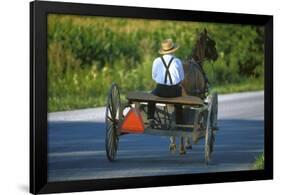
<point x="167" y="72"/>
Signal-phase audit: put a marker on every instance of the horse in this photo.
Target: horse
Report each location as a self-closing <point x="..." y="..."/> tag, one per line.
<point x="195" y="81"/>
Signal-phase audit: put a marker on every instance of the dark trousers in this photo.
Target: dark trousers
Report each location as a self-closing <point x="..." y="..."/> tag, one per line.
<point x="168" y="92"/>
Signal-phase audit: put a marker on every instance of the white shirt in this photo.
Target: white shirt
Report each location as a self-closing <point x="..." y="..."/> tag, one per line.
<point x="175" y="69"/>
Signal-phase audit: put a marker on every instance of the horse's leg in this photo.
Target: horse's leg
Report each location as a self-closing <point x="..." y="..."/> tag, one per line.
<point x="182" y="148"/>
<point x="173" y="145"/>
<point x="187" y="143"/>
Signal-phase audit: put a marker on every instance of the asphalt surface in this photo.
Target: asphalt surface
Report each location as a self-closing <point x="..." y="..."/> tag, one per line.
<point x="76" y="144"/>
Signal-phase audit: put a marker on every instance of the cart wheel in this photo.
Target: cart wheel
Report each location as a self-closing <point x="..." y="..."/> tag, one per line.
<point x="112" y="117"/>
<point x="214" y="113"/>
<point x="209" y="137"/>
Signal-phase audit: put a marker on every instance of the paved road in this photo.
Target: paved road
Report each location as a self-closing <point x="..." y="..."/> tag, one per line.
<point x="77" y="147"/>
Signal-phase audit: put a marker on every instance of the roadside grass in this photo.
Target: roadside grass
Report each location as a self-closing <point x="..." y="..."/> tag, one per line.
<point x="259" y="162"/>
<point x="92" y="96"/>
<point x="246" y="85"/>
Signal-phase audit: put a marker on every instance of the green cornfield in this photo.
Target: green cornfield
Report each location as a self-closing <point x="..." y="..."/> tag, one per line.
<point x="86" y="54"/>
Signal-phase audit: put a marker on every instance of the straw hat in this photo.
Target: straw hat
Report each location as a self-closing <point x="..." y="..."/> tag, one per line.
<point x="168" y="46"/>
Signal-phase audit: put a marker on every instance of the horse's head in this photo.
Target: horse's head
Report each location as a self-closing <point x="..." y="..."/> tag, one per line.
<point x="205" y="48"/>
<point x="195" y="79"/>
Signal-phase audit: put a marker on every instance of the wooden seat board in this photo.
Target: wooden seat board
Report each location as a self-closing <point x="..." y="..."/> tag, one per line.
<point x="138" y="96"/>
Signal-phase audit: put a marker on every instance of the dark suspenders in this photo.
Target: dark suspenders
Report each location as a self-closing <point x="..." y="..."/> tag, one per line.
<point x="167" y="70"/>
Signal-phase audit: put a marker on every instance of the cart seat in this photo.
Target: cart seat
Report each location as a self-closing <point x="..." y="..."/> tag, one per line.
<point x="138" y="96"/>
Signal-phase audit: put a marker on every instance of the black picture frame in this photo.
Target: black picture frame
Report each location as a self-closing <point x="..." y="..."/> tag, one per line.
<point x="38" y="96"/>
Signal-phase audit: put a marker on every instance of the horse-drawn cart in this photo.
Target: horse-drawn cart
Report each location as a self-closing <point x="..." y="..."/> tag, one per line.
<point x="199" y="118"/>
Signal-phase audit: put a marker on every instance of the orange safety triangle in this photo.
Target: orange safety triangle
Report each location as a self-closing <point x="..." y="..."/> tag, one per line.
<point x="133" y="122"/>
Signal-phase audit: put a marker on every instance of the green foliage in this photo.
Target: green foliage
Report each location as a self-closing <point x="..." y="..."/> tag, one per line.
<point x="259" y="162"/>
<point x="86" y="54"/>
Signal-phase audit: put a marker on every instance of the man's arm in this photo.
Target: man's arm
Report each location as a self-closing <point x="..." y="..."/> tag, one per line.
<point x="181" y="71"/>
<point x="181" y="74"/>
<point x="154" y="71"/>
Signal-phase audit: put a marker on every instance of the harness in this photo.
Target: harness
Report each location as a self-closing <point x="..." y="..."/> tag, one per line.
<point x="167" y="74"/>
<point x="198" y="92"/>
<point x="207" y="83"/>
